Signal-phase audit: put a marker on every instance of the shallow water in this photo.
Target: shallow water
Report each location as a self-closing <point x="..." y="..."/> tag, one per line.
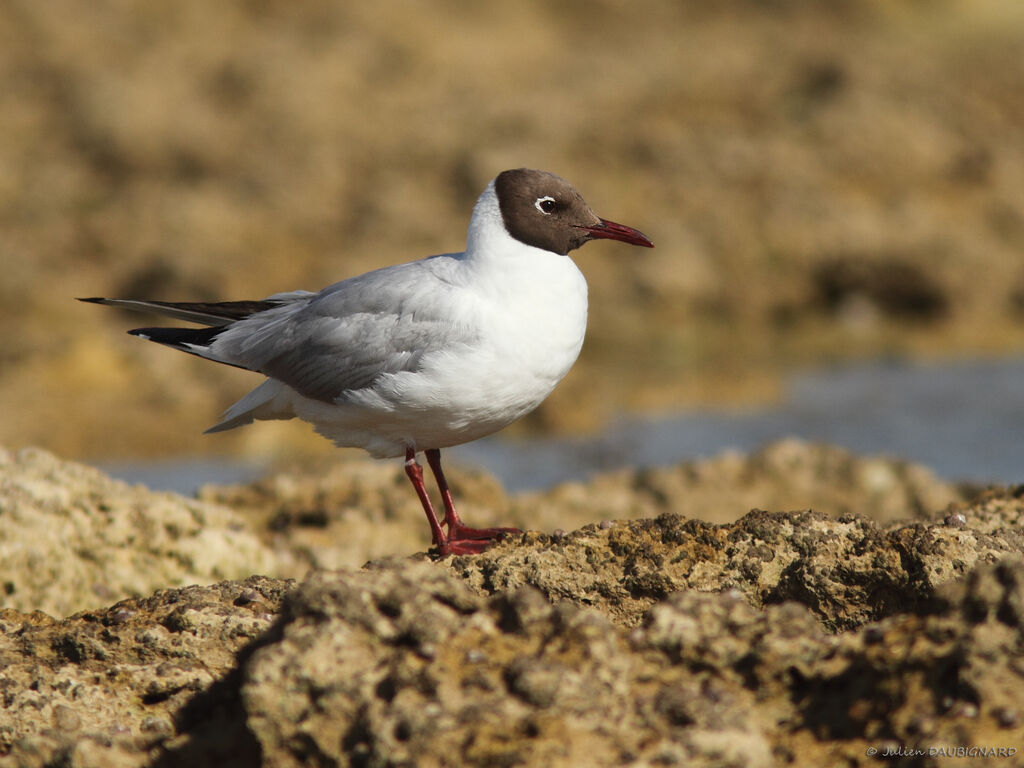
<point x="965" y="420"/>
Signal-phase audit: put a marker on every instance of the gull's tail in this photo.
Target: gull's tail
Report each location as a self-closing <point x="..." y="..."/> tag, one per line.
<point x="216" y="315"/>
<point x="269" y="400"/>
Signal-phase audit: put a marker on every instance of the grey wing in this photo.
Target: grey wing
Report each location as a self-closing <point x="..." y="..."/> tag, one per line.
<point x="349" y="334"/>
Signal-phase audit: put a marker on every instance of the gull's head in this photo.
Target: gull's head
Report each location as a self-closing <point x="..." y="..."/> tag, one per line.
<point x="545" y="211"/>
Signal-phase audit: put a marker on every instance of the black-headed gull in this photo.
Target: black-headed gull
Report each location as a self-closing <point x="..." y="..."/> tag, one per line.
<point x="418" y="356"/>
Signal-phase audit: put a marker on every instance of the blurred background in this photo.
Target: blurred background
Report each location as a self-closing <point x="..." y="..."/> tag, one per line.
<point x="835" y="188"/>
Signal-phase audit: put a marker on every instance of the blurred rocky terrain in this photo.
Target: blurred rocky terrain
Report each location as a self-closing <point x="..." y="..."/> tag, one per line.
<point x="824" y="180"/>
<point x="887" y="618"/>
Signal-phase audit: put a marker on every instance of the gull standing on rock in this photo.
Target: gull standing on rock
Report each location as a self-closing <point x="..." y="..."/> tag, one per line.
<point x="418" y="356"/>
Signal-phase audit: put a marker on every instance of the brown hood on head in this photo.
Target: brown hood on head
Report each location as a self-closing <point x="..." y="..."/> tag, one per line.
<point x="546" y="211"/>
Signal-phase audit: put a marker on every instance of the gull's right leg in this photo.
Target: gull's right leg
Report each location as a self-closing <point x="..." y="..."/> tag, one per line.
<point x="460" y="535"/>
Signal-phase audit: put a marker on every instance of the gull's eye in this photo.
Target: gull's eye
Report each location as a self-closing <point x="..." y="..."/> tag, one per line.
<point x="545" y="205"/>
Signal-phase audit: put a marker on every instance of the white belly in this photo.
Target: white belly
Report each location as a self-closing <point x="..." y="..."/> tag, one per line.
<point x="530" y="326"/>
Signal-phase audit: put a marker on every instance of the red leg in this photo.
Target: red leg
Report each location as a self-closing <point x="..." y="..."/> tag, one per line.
<point x="415" y="473"/>
<point x="459" y="534"/>
<point x="443" y="543"/>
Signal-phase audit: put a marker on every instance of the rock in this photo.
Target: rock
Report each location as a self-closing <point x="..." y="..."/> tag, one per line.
<point x="782" y="638"/>
<point x="108" y="687"/>
<point x="890" y="284"/>
<point x="847" y="571"/>
<point x="402" y="664"/>
<point x="510" y="681"/>
<point x="73" y="539"/>
<point x="995" y="510"/>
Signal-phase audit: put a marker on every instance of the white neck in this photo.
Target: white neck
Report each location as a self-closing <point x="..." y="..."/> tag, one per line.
<point x="486" y="232"/>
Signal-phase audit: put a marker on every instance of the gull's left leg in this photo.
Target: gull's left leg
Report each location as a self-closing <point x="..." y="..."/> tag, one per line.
<point x="415" y="474"/>
<point x="458" y="533"/>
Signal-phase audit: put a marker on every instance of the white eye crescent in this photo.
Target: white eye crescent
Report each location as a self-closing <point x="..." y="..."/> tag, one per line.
<point x="545" y="205"/>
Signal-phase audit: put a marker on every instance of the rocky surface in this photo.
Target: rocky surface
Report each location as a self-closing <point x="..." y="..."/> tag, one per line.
<point x="783" y="638"/>
<point x="109" y="687"/>
<point x="340" y="514"/>
<point x="706" y="680"/>
<point x="72" y="538"/>
<point x="846" y="571"/>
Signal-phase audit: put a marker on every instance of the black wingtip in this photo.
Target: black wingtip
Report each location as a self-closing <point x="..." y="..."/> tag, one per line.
<point x="91" y="299"/>
<point x="195" y="341"/>
<point x="186" y="339"/>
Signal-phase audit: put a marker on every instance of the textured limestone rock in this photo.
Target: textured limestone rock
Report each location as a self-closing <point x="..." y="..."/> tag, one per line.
<point x="71" y="538"/>
<point x="402" y="665"/>
<point x="784" y="638"/>
<point x="848" y="571"/>
<point x="931" y="682"/>
<point x="408" y="667"/>
<point x="108" y="687"/>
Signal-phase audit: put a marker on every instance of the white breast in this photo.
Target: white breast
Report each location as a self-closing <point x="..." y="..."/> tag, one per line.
<point x="530" y="315"/>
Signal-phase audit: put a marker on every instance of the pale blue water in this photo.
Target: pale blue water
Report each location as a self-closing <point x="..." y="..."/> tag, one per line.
<point x="964" y="420"/>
